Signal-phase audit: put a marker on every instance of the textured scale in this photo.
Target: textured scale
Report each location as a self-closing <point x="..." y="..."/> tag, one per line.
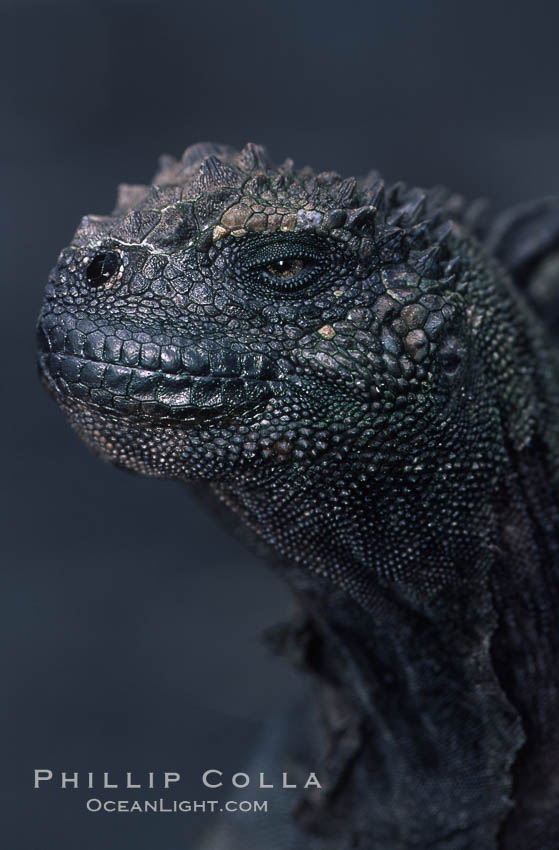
<point x="360" y="374"/>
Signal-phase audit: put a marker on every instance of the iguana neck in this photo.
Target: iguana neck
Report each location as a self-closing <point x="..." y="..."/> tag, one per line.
<point x="413" y="647"/>
<point x="525" y="647"/>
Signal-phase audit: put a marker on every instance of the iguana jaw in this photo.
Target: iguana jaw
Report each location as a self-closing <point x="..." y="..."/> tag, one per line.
<point x="150" y="395"/>
<point x="151" y="381"/>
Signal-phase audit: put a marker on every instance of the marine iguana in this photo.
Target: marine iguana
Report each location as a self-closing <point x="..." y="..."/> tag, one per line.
<point x="365" y="377"/>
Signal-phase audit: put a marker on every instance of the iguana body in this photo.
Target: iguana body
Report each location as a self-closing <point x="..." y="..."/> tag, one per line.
<point x="354" y="375"/>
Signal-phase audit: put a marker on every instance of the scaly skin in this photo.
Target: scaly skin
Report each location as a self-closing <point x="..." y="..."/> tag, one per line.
<point x="355" y="377"/>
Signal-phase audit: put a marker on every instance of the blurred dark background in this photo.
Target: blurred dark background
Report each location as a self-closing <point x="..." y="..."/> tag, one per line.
<point x="130" y="622"/>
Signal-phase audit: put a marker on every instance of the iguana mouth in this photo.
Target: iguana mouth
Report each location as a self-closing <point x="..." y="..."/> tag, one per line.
<point x="150" y="394"/>
<point x="192" y="384"/>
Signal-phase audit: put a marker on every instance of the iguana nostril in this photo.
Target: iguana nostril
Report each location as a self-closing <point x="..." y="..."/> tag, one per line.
<point x="102" y="268"/>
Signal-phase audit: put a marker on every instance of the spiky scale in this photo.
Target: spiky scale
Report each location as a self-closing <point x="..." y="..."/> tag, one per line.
<point x="129" y="196"/>
<point x="254" y="158"/>
<point x="214" y="173"/>
<point x="345" y="192"/>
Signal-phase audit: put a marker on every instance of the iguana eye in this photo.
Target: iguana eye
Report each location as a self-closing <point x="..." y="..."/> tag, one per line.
<point x="289" y="274"/>
<point x="286" y="268"/>
<point x="284" y="262"/>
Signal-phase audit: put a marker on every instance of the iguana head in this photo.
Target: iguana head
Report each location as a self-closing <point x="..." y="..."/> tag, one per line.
<point x="236" y="315"/>
<point x="360" y="381"/>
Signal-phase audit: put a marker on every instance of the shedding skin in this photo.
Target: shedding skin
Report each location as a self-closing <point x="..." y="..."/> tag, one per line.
<point x="361" y="378"/>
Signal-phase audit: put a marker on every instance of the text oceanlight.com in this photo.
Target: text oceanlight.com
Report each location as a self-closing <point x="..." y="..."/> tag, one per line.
<point x="176" y="806"/>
